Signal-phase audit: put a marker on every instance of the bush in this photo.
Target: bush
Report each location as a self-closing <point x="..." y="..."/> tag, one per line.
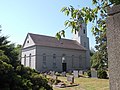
<point x="39" y="82"/>
<point x="89" y="73"/>
<point x="102" y="74"/>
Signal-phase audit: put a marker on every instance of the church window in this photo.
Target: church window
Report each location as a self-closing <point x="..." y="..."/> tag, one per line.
<point x="84" y="44"/>
<point x="25" y="60"/>
<point x="27" y="41"/>
<point x="63" y="58"/>
<point x="30" y="60"/>
<point x="84" y="31"/>
<point x="54" y="61"/>
<point x="80" y="61"/>
<point x="44" y="57"/>
<point x="44" y="61"/>
<point x="54" y="56"/>
<point x="72" y="61"/>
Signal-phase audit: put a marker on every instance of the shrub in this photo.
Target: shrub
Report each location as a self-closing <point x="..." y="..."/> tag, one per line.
<point x="102" y="74"/>
<point x="51" y="81"/>
<point x="89" y="73"/>
<point x="39" y="82"/>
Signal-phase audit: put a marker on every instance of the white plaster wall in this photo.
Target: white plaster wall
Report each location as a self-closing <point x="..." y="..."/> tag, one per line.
<point x="49" y="51"/>
<point x="28" y="42"/>
<point x="27" y="52"/>
<point x="82" y="39"/>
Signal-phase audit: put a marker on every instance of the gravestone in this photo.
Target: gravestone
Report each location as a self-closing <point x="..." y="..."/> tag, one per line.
<point x="54" y="77"/>
<point x="64" y="74"/>
<point x="70" y="79"/>
<point x="81" y="72"/>
<point x="75" y="73"/>
<point x="52" y="73"/>
<point x="93" y="73"/>
<point x="113" y="44"/>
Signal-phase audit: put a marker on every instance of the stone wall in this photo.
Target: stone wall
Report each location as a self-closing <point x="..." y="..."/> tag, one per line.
<point x="113" y="37"/>
<point x="78" y="62"/>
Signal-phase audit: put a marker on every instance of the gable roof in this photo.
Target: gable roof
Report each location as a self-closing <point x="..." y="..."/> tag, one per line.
<point x="49" y="41"/>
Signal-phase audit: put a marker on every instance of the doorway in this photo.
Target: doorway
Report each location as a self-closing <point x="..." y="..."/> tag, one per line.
<point x="64" y="67"/>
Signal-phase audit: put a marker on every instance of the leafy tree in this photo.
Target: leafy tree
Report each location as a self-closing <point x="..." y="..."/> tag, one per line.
<point x="92" y="51"/>
<point x="97" y="16"/>
<point x="9" y="50"/>
<point x="97" y="62"/>
<point x="13" y="75"/>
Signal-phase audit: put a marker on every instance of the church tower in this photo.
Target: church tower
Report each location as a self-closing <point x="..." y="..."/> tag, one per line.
<point x="81" y="38"/>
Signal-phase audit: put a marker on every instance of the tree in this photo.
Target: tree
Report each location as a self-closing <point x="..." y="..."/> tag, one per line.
<point x="97" y="16"/>
<point x="13" y="75"/>
<point x="92" y="51"/>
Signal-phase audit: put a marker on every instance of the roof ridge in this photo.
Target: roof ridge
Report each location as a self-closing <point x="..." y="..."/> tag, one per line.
<point x="79" y="44"/>
<point x="44" y="40"/>
<point x="51" y="36"/>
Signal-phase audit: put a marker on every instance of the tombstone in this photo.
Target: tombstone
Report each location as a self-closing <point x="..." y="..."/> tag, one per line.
<point x="52" y="73"/>
<point x="75" y="73"/>
<point x="93" y="73"/>
<point x="70" y="79"/>
<point x="81" y="72"/>
<point x="64" y="74"/>
<point x="54" y="77"/>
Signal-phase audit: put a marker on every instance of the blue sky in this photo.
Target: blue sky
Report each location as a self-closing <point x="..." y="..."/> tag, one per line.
<point x="18" y="17"/>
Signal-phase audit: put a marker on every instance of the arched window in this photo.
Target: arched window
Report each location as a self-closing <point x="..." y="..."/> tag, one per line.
<point x="54" y="61"/>
<point x="80" y="61"/>
<point x="30" y="60"/>
<point x="25" y="60"/>
<point x="44" y="57"/>
<point x="54" y="57"/>
<point x="44" y="61"/>
<point x="84" y="31"/>
<point x="72" y="61"/>
<point x="63" y="58"/>
<point x="84" y="44"/>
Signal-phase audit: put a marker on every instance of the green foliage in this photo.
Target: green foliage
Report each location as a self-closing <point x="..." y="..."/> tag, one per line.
<point x="89" y="73"/>
<point x="92" y="51"/>
<point x="102" y="74"/>
<point x="39" y="82"/>
<point x="53" y="81"/>
<point x="116" y="2"/>
<point x="97" y="62"/>
<point x="97" y="16"/>
<point x="13" y="75"/>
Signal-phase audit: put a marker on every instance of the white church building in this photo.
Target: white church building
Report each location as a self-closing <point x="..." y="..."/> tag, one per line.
<point x="46" y="53"/>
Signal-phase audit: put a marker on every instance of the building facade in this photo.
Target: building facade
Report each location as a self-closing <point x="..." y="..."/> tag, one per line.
<point x="45" y="53"/>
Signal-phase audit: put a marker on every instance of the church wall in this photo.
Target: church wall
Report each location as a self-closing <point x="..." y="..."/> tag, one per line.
<point x="26" y="52"/>
<point x="79" y="59"/>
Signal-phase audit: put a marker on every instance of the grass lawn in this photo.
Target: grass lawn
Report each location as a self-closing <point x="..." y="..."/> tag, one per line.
<point x="86" y="84"/>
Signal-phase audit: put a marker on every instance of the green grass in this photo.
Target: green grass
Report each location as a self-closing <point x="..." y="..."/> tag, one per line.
<point x="86" y="84"/>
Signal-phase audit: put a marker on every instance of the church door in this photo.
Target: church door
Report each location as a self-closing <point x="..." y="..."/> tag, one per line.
<point x="64" y="67"/>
